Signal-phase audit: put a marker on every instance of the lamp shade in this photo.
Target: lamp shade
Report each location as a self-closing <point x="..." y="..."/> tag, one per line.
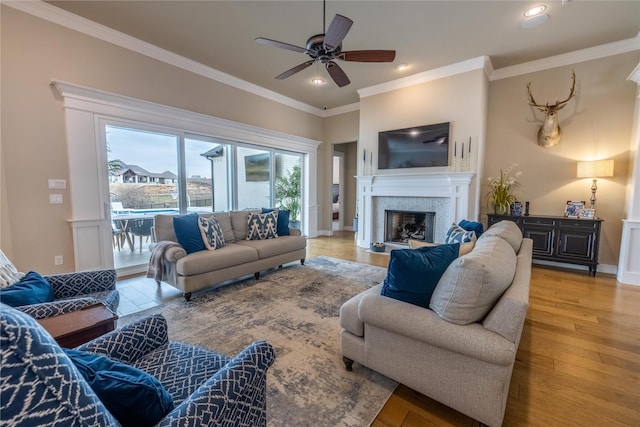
<point x="596" y="169"/>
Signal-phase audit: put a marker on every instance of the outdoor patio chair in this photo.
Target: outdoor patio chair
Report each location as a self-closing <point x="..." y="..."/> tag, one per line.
<point x="141" y="228"/>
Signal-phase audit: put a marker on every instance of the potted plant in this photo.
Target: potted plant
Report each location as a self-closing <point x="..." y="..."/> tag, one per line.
<point x="501" y="190"/>
<point x="288" y="195"/>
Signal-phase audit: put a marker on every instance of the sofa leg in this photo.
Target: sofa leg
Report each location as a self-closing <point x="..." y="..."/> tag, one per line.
<point x="348" y="363"/>
<point x="302" y="261"/>
<point x="187" y="296"/>
<point x="280" y="266"/>
<point x="256" y="275"/>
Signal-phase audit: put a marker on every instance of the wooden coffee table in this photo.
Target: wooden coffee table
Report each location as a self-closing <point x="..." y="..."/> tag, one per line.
<point x="78" y="327"/>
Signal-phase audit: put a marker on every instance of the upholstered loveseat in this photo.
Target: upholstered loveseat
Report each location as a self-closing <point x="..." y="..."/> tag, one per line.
<point x="40" y="385"/>
<point x="238" y="257"/>
<point x="461" y="350"/>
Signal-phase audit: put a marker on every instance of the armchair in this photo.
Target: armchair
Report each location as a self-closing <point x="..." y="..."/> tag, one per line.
<point x="207" y="388"/>
<point x="75" y="291"/>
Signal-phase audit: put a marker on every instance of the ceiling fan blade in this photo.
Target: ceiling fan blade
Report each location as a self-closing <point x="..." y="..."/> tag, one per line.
<point x="338" y="29"/>
<point x="282" y="45"/>
<point x="294" y="70"/>
<point x="337" y="74"/>
<point x="368" y="55"/>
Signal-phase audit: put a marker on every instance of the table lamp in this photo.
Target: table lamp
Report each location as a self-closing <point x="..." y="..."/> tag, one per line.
<point x="596" y="169"/>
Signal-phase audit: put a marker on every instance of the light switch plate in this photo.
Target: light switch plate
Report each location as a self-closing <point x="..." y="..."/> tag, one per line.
<point x="55" y="199"/>
<point x="57" y="184"/>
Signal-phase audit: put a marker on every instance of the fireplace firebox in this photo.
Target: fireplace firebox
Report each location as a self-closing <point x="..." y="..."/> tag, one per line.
<point x="402" y="226"/>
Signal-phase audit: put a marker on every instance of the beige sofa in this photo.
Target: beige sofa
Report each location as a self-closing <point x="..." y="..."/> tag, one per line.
<point x="238" y="257"/>
<point x="466" y="361"/>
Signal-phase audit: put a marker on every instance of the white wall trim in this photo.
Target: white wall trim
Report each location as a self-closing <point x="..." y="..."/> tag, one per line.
<point x="66" y="19"/>
<point x="428" y="76"/>
<point x="575" y="57"/>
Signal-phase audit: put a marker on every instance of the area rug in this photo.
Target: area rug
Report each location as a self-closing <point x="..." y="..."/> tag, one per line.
<point x="296" y="309"/>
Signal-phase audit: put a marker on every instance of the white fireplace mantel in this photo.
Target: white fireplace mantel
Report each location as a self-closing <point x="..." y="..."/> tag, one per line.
<point x="450" y="185"/>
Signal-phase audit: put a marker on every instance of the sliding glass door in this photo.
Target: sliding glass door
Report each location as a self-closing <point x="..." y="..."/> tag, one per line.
<point x="153" y="172"/>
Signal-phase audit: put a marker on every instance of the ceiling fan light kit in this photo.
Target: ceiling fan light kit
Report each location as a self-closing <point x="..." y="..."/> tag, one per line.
<point x="327" y="48"/>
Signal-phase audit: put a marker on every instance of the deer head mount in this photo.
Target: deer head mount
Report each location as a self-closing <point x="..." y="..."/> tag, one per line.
<point x="549" y="133"/>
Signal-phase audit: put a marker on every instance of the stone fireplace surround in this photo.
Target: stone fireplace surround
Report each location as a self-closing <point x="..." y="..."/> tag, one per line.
<point x="445" y="193"/>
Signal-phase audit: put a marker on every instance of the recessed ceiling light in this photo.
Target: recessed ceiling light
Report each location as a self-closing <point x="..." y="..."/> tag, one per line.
<point x="401" y="67"/>
<point x="318" y="81"/>
<point x="534" y="11"/>
<point x="534" y="21"/>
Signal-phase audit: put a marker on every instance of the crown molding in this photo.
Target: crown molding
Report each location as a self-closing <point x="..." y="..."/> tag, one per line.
<point x="342" y="110"/>
<point x="577" y="56"/>
<point x="66" y="19"/>
<point x="481" y="62"/>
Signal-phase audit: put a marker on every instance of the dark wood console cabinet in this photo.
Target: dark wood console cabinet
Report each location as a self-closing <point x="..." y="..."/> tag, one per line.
<point x="560" y="239"/>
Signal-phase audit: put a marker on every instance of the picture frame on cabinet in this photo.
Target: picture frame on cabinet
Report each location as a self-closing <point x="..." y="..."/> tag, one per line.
<point x="588" y="213"/>
<point x="574" y="209"/>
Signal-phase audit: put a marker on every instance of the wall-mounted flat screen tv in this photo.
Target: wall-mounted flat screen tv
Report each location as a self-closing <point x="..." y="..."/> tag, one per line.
<point x="416" y="147"/>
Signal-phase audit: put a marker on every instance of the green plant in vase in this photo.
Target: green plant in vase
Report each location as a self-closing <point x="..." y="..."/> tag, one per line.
<point x="501" y="190"/>
<point x="288" y="193"/>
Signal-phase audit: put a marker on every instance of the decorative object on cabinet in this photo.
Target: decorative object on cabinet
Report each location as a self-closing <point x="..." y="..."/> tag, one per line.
<point x="526" y="208"/>
<point x="501" y="190"/>
<point x="560" y="239"/>
<point x="588" y="213"/>
<point x="595" y="170"/>
<point x="516" y="208"/>
<point x="573" y="209"/>
<point x="549" y="133"/>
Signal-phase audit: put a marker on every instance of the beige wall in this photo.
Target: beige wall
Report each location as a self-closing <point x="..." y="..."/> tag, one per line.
<point x="338" y="129"/>
<point x="460" y="99"/>
<point x="33" y="132"/>
<point x="596" y="124"/>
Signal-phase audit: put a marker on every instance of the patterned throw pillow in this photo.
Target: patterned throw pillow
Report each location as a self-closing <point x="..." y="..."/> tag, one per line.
<point x="457" y="234"/>
<point x="212" y="235"/>
<point x="262" y="226"/>
<point x="8" y="272"/>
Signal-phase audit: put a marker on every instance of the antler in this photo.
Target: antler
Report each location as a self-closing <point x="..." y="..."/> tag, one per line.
<point x="559" y="104"/>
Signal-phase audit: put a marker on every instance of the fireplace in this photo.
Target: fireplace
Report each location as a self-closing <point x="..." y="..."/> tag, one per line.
<point x="402" y="226"/>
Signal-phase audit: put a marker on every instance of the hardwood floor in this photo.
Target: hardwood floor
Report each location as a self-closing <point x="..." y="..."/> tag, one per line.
<point x="579" y="357"/>
<point x="578" y="362"/>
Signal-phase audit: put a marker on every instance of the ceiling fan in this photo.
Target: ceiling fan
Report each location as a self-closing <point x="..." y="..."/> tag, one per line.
<point x="326" y="48"/>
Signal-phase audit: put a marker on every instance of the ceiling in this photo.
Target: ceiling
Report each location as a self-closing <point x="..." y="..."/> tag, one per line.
<point x="425" y="34"/>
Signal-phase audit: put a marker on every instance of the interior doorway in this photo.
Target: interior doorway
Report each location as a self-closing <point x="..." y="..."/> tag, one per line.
<point x="337" y="192"/>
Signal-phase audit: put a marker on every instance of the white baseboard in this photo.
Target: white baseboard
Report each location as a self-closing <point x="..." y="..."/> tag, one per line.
<point x="602" y="268"/>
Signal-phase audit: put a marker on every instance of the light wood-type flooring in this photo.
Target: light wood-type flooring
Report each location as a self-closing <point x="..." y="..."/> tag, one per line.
<point x="578" y="363"/>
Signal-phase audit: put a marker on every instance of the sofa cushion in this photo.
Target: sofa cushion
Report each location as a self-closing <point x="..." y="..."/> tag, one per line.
<point x="163" y="228"/>
<point x="239" y="221"/>
<point x="274" y="247"/>
<point x="477" y="227"/>
<point x="230" y="255"/>
<point x="283" y="220"/>
<point x="472" y="284"/>
<point x="507" y="230"/>
<point x="211" y="233"/>
<point x="31" y="289"/>
<point x="188" y="232"/>
<point x="457" y="234"/>
<point x="262" y="226"/>
<point x="414" y="273"/>
<point x="465" y="248"/>
<point x="134" y="397"/>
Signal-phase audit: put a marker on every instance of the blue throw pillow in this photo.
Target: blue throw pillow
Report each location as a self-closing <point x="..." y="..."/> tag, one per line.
<point x="413" y="274"/>
<point x="188" y="232"/>
<point x="472" y="226"/>
<point x="457" y="234"/>
<point x="133" y="396"/>
<point x="31" y="289"/>
<point x="283" y="220"/>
